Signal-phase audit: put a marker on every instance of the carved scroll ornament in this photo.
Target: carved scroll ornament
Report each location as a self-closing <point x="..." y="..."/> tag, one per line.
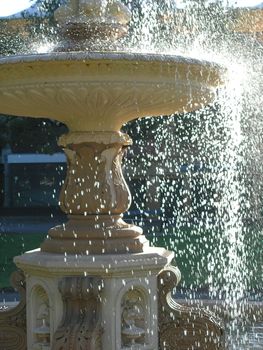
<point x="13" y="320"/>
<point x="80" y="327"/>
<point x="181" y="327"/>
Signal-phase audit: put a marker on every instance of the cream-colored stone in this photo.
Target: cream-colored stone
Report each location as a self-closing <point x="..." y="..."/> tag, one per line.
<point x="42" y="291"/>
<point x="105" y="265"/>
<point x="13" y="319"/>
<point x="95" y="234"/>
<point x="95" y="195"/>
<point x="182" y="327"/>
<point x="93" y="10"/>
<point x="120" y="274"/>
<point x="80" y="327"/>
<point x="105" y="138"/>
<point x="91" y="93"/>
<point x="248" y="21"/>
<point x="95" y="184"/>
<point x="102" y="91"/>
<point x="145" y="283"/>
<point x="91" y="24"/>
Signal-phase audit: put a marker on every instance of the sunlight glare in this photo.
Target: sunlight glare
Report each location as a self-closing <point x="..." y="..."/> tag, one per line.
<point x="11" y="7"/>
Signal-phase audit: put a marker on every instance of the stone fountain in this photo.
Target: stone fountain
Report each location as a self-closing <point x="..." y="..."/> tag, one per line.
<point x="95" y="283"/>
<point x="249" y="22"/>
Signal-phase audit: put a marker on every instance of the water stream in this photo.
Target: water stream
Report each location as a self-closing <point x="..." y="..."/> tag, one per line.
<point x="203" y="190"/>
<point x="212" y="158"/>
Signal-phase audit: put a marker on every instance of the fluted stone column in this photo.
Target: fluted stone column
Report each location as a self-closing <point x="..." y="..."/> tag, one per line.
<point x="94" y="196"/>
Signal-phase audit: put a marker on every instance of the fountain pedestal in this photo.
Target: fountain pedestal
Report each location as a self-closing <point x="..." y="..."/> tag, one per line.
<point x="93" y="284"/>
<point x="95" y="275"/>
<point x="94" y="196"/>
<point x="90" y="299"/>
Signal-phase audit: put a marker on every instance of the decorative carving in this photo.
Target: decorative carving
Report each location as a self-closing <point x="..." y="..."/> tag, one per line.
<point x="42" y="332"/>
<point x="41" y="329"/>
<point x="80" y="327"/>
<point x="13" y="320"/>
<point x="93" y="105"/>
<point x="98" y="91"/>
<point x="86" y="23"/>
<point x="133" y="318"/>
<point x="94" y="183"/>
<point x="182" y="327"/>
<point x="94" y="196"/>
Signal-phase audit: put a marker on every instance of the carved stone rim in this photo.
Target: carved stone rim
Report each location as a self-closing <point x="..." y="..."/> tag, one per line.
<point x="217" y="73"/>
<point x="111" y="56"/>
<point x="106" y="265"/>
<point x="103" y="137"/>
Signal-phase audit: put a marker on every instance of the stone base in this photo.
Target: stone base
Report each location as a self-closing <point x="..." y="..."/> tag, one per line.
<point x="120" y="291"/>
<point x="95" y="234"/>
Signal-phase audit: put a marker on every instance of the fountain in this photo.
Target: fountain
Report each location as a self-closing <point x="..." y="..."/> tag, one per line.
<point x="93" y="282"/>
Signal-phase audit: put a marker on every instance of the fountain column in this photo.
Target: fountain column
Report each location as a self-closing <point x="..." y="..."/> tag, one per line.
<point x="93" y="284"/>
<point x="95" y="196"/>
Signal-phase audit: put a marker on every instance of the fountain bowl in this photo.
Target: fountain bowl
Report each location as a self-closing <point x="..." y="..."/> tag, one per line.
<point x="90" y="91"/>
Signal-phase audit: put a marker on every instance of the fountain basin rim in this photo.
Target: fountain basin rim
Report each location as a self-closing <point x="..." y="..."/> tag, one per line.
<point x="100" y="91"/>
<point x="110" y="56"/>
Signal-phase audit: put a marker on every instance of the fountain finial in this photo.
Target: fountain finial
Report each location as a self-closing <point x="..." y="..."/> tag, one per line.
<point x="91" y="24"/>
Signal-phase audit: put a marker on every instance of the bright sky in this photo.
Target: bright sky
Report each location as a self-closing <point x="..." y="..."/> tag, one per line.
<point x="235" y="3"/>
<point x="241" y="3"/>
<point x="9" y="7"/>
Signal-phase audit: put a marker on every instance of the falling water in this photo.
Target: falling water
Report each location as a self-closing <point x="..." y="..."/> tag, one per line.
<point x="210" y="210"/>
<point x="208" y="166"/>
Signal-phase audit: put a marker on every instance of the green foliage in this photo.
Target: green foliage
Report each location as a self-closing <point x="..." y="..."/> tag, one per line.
<point x="14" y="244"/>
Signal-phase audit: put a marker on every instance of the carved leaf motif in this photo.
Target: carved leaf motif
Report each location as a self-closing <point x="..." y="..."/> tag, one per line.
<point x="106" y="101"/>
<point x="94" y="182"/>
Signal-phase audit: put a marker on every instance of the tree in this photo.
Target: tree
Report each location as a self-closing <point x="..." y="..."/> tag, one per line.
<point x="17" y="34"/>
<point x="30" y="135"/>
